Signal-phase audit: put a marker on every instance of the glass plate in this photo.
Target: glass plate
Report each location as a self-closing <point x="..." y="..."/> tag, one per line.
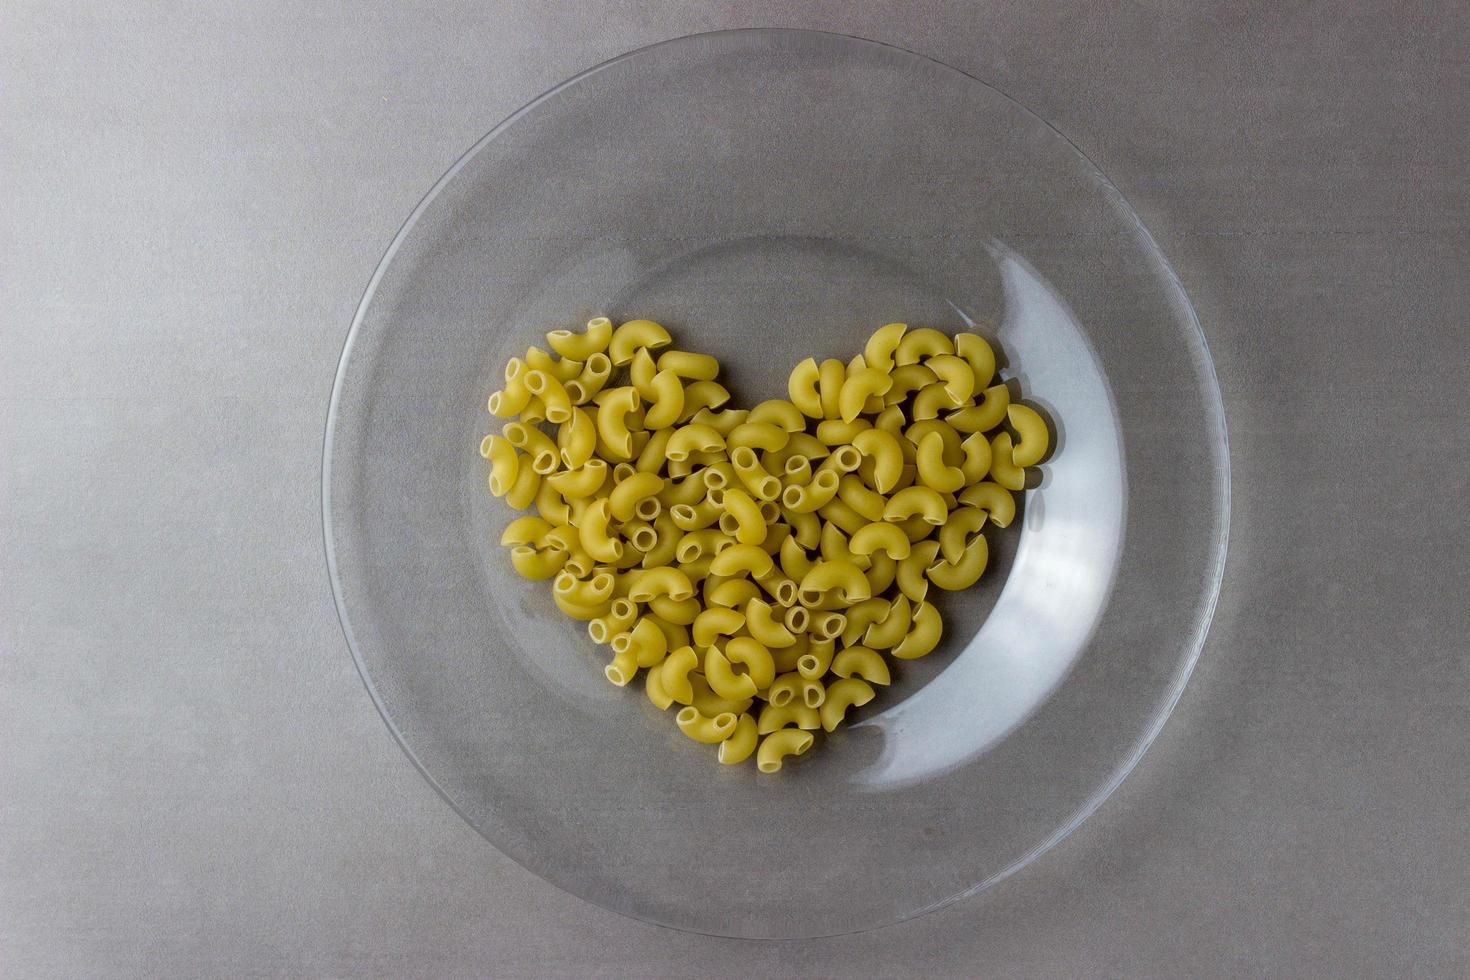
<point x="772" y="195"/>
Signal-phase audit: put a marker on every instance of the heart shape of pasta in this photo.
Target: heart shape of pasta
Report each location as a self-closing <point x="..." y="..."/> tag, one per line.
<point x="760" y="566"/>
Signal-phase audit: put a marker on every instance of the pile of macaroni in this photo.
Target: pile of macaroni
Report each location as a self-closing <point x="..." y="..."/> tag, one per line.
<point x="757" y="564"/>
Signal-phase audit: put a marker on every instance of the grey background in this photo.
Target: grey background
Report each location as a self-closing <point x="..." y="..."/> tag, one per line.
<point x="192" y="779"/>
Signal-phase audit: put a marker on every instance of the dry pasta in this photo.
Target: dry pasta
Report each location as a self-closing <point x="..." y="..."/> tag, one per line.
<point x="764" y="568"/>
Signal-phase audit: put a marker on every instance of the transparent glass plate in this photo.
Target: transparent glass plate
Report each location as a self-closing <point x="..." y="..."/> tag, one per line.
<point x="773" y="195"/>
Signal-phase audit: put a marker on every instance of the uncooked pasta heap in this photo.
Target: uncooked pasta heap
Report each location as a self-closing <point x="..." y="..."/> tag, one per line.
<point x="760" y="566"/>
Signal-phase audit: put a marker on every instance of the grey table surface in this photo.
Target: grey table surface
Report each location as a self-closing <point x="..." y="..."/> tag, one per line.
<point x="192" y="779"/>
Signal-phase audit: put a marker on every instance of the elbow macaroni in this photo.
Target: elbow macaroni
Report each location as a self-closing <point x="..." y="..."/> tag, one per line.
<point x="761" y="566"/>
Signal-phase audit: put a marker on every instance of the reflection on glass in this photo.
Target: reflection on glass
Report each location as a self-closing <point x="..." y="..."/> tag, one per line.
<point x="1065" y="562"/>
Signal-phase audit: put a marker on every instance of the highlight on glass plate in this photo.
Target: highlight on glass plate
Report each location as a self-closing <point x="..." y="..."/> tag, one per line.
<point x="761" y="566"/>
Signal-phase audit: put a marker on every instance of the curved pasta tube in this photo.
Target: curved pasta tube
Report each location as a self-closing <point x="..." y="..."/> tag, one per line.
<point x="884" y="537"/>
<point x="801" y="444"/>
<point x="907" y="380"/>
<point x="651" y="457"/>
<point x="931" y="400"/>
<point x="650" y="644"/>
<point x="703" y="395"/>
<point x="593" y="533"/>
<point x="739" y="558"/>
<point x="653" y="687"/>
<point x="992" y="498"/>
<point x="977" y="458"/>
<point x="984" y="416"/>
<point x="699" y="544"/>
<point x="651" y="583"/>
<point x="747" y="467"/>
<point x="750" y="526"/>
<point x="552" y="393"/>
<point x="954" y="452"/>
<point x="595" y="373"/>
<point x="924" y="636"/>
<point x="534" y="564"/>
<point x="731" y="593"/>
<point x="813" y="666"/>
<point x="785" y="688"/>
<point x="758" y="435"/>
<point x="722" y="678"/>
<point x="779" y="412"/>
<point x="868" y="504"/>
<point x="562" y="370"/>
<point x="580" y="483"/>
<point x="575" y="609"/>
<point x="850" y="692"/>
<point x="978" y="354"/>
<point x="505" y="463"/>
<point x="692" y="438"/>
<point x="835" y="432"/>
<point x="862" y="615"/>
<point x="831" y="375"/>
<point x="580" y="346"/>
<point x="626" y="496"/>
<point x="551" y="505"/>
<point x="954" y="536"/>
<point x="764" y="627"/>
<point x="857" y="661"/>
<point x="703" y="728"/>
<point x="844" y="575"/>
<point x="1003" y="468"/>
<point x="623" y="666"/>
<point x="614" y="406"/>
<point x="934" y="473"/>
<point x="695" y="367"/>
<point x="889" y="631"/>
<point x="510" y="401"/>
<point x="774" y="717"/>
<point x="819" y="492"/>
<point x="759" y="665"/>
<point x="523" y="492"/>
<point x="911" y="571"/>
<point x="835" y="547"/>
<point x="695" y="517"/>
<point x="711" y="624"/>
<point x="525" y="530"/>
<point x="919" y="501"/>
<point x="738" y="746"/>
<point x="919" y="344"/>
<point x="794" y="560"/>
<point x="724" y="422"/>
<point x="805" y="527"/>
<point x="1031" y="427"/>
<point x="587" y="592"/>
<point x="634" y="334"/>
<point x="802" y="387"/>
<point x="878" y="351"/>
<point x="674" y="672"/>
<point x="619" y="618"/>
<point x="882" y="571"/>
<point x="640" y="374"/>
<point x="956" y="375"/>
<point x="675" y="636"/>
<point x="776" y="747"/>
<point x="857" y="388"/>
<point x="577" y="439"/>
<point x="827" y="626"/>
<point x="710" y="703"/>
<point x="961" y="574"/>
<point x="836" y="512"/>
<point x="665" y="400"/>
<point x="885" y="452"/>
<point x="535" y="444"/>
